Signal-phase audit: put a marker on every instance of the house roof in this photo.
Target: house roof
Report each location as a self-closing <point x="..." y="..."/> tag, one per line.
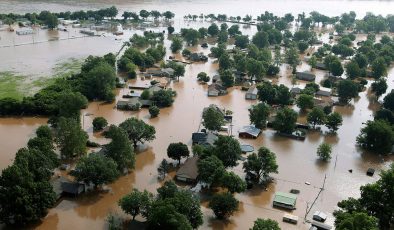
<point x="285" y="198"/>
<point x="306" y="75"/>
<point x="189" y="169"/>
<point x="323" y="93"/>
<point x="295" y="90"/>
<point x="204" y="138"/>
<point x="251" y="130"/>
<point x="247" y="148"/>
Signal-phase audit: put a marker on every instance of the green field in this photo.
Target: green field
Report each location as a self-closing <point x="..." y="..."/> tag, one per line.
<point x="17" y="86"/>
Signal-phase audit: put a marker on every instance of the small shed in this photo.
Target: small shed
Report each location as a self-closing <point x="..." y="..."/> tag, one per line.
<point x="202" y="138"/>
<point x="188" y="172"/>
<point x="249" y="131"/>
<point x="321" y="65"/>
<point x="290" y="218"/>
<point x="251" y="94"/>
<point x="72" y="188"/>
<point x="247" y="148"/>
<point x="323" y="93"/>
<point x="306" y="76"/>
<point x="319" y="216"/>
<point x="285" y="200"/>
<point x="295" y="91"/>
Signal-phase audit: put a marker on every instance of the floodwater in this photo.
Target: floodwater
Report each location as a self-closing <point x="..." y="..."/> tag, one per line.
<point x="297" y="159"/>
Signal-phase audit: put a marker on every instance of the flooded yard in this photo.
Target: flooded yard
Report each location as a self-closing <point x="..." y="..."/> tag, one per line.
<point x="297" y="160"/>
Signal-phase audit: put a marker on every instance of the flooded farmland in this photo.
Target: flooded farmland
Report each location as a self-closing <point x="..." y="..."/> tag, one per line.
<point x="297" y="160"/>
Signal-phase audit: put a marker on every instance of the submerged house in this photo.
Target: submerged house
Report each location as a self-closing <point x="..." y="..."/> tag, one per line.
<point x="165" y="72"/>
<point x="295" y="91"/>
<point x="63" y="186"/>
<point x="203" y="138"/>
<point x="306" y="76"/>
<point x="188" y="172"/>
<point x="285" y="200"/>
<point x="251" y="94"/>
<point x="321" y="66"/>
<point x="227" y="117"/>
<point x="198" y="57"/>
<point x="216" y="89"/>
<point x="249" y="131"/>
<point x="323" y="93"/>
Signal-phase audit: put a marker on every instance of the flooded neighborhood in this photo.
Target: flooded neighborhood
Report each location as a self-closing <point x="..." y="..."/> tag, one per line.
<point x="196" y="115"/>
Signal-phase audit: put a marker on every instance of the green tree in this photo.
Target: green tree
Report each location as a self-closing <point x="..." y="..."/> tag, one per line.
<point x="376" y="136"/>
<point x="70" y="138"/>
<point x="324" y="151"/>
<point x="225" y="62"/>
<point x="138" y="131"/>
<point x="23" y="199"/>
<point x="176" y="44"/>
<point x="312" y="61"/>
<point x="255" y="69"/>
<point x="170" y="30"/>
<point x="379" y="87"/>
<point x="223" y="205"/>
<point x="388" y="101"/>
<point x="145" y="95"/>
<point x="352" y="69"/>
<point x="136" y="203"/>
<point x="228" y="150"/>
<point x="265" y="224"/>
<point x="99" y="123"/>
<point x="305" y="101"/>
<point x="333" y="121"/>
<point x="292" y="58"/>
<point x="336" y="68"/>
<point x="96" y="169"/>
<point x="100" y="81"/>
<point x="260" y="39"/>
<point x="154" y="111"/>
<point x="379" y="68"/>
<point x="177" y="151"/>
<point x="120" y="149"/>
<point x="258" y="115"/>
<point x="213" y="30"/>
<point x="168" y="15"/>
<point x="163" y="215"/>
<point x="44" y="132"/>
<point x="316" y="117"/>
<point x="202" y="76"/>
<point x="357" y="221"/>
<point x="144" y="14"/>
<point x="261" y="164"/>
<point x="210" y="169"/>
<point x="212" y="119"/>
<point x="70" y="104"/>
<point x="302" y="46"/>
<point x="233" y="182"/>
<point x="285" y="120"/>
<point x="163" y="98"/>
<point x="347" y="90"/>
<point x="241" y="41"/>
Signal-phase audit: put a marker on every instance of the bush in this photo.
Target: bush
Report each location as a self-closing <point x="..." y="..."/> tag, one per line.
<point x="154" y="111"/>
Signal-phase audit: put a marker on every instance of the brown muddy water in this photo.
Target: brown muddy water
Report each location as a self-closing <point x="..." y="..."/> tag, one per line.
<point x="297" y="159"/>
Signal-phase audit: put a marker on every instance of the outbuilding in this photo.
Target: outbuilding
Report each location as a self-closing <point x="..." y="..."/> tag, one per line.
<point x="251" y="94"/>
<point x="249" y="131"/>
<point x="285" y="200"/>
<point x="319" y="216"/>
<point x="188" y="172"/>
<point x="306" y="76"/>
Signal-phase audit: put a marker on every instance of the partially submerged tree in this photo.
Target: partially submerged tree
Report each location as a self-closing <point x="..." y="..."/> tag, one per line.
<point x="265" y="224"/>
<point x="70" y="138"/>
<point x="99" y="123"/>
<point x="95" y="169"/>
<point x="258" y="115"/>
<point x="223" y="205"/>
<point x="138" y="131"/>
<point x="177" y="151"/>
<point x="136" y="203"/>
<point x="324" y="151"/>
<point x="333" y="121"/>
<point x="213" y="119"/>
<point x="261" y="164"/>
<point x="376" y="136"/>
<point x="316" y="117"/>
<point x="285" y="120"/>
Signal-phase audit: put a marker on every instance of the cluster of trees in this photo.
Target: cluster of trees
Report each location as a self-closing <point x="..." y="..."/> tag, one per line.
<point x="317" y="116"/>
<point x="66" y="96"/>
<point x="274" y="94"/>
<point x="25" y="191"/>
<point x="156" y="15"/>
<point x="378" y="135"/>
<point x="171" y="208"/>
<point x="133" y="58"/>
<point x="51" y="19"/>
<point x="373" y="210"/>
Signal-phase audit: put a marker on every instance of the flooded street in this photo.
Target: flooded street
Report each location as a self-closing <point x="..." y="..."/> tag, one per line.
<point x="297" y="160"/>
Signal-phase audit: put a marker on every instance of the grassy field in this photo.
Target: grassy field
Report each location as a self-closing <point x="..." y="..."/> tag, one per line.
<point x="17" y="86"/>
